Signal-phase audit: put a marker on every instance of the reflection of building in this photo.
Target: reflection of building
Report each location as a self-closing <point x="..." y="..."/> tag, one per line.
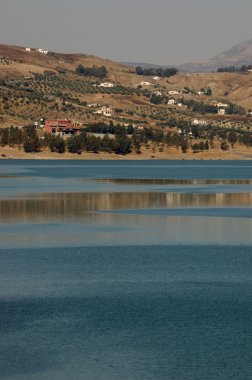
<point x="62" y="127"/>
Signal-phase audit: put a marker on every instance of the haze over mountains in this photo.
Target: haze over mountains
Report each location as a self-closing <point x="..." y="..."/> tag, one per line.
<point x="237" y="55"/>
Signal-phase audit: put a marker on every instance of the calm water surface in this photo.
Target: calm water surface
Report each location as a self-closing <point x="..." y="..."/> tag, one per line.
<point x="125" y="270"/>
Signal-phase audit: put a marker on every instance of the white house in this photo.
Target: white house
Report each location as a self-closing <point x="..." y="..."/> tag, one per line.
<point x="108" y="112"/>
<point x="156" y="78"/>
<point x="106" y="84"/>
<point x="200" y="93"/>
<point x="221" y="108"/>
<point x="221" y="111"/>
<point x="173" y="92"/>
<point x="158" y="93"/>
<point x="94" y="105"/>
<point x="145" y="84"/>
<point x="222" y="105"/>
<point x="199" y="122"/>
<point x="42" y="51"/>
<point x="28" y="49"/>
<point x="171" y="102"/>
<point x="180" y="104"/>
<point x="105" y="111"/>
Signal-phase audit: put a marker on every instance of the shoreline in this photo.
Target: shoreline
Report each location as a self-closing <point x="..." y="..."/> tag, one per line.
<point x="236" y="153"/>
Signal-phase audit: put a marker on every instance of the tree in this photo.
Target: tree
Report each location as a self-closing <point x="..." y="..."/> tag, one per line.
<point x="122" y="145"/>
<point x="98" y="72"/>
<point x="15" y="136"/>
<point x="161" y="72"/>
<point x="156" y="99"/>
<point x="31" y="142"/>
<point x="137" y="143"/>
<point x="93" y="144"/>
<point x="208" y="91"/>
<point x="107" y="144"/>
<point x="59" y="145"/>
<point x="224" y="145"/>
<point x="139" y="70"/>
<point x="4" y="136"/>
<point x="206" y="145"/>
<point x="184" y="146"/>
<point x="73" y="144"/>
<point x="232" y="137"/>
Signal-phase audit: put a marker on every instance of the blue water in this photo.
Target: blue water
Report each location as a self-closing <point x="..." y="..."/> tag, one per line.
<point x="125" y="279"/>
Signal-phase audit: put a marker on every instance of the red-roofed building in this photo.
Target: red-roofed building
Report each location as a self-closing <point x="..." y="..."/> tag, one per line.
<point x="62" y="127"/>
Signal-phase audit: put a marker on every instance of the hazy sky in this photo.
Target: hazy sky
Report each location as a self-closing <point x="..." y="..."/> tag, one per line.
<point x="154" y="31"/>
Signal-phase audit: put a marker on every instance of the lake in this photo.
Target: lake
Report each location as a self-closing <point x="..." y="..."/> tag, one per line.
<point x="125" y="270"/>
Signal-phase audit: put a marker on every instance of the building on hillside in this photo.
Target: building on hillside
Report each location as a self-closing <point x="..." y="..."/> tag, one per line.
<point x="144" y="83"/>
<point x="94" y="105"/>
<point x="40" y="123"/>
<point x="156" y="78"/>
<point x="42" y="51"/>
<point x="106" y="84"/>
<point x="62" y="127"/>
<point x="221" y="107"/>
<point x="105" y="111"/>
<point x="199" y="122"/>
<point x="171" y="102"/>
<point x="173" y="92"/>
<point x="221" y="111"/>
<point x="28" y="49"/>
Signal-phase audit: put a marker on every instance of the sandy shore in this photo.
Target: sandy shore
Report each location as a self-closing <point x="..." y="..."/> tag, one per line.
<point x="236" y="153"/>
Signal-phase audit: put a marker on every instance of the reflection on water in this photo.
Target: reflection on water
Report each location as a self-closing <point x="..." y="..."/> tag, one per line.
<point x="164" y="181"/>
<point x="105" y="229"/>
<point x="74" y="219"/>
<point x="10" y="176"/>
<point x="164" y="293"/>
<point x="79" y="205"/>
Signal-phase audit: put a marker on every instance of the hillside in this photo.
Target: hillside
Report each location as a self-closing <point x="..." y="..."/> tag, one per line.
<point x="237" y="55"/>
<point x="88" y="90"/>
<point x="21" y="66"/>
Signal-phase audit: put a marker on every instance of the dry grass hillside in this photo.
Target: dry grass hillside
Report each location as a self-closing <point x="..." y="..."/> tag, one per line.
<point x="231" y="87"/>
<point x="35" y="85"/>
<point x="167" y="116"/>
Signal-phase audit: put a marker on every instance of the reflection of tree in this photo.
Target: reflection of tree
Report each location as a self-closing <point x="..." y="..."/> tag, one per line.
<point x="51" y="206"/>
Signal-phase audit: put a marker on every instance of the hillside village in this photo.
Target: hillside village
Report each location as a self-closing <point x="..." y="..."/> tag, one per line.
<point x="66" y="99"/>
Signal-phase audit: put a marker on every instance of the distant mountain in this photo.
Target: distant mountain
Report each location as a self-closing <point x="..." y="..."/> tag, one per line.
<point x="238" y="55"/>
